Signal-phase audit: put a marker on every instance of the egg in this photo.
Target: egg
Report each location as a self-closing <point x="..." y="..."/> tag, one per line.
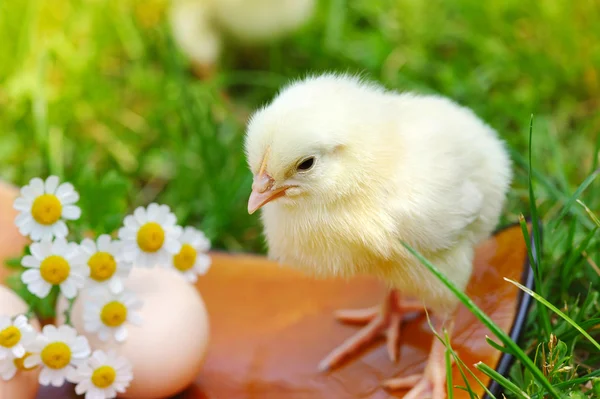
<point x="11" y="241"/>
<point x="167" y="350"/>
<point x="24" y="385"/>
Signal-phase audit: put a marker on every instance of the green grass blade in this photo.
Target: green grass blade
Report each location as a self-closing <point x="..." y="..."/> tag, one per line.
<point x="462" y="366"/>
<point x="573" y="382"/>
<point x="535" y="220"/>
<point x="556" y="194"/>
<point x="567" y="206"/>
<point x="450" y="352"/>
<point x="449" y="384"/>
<point x="489" y="323"/>
<point x="591" y="214"/>
<point x="550" y="306"/>
<point x="527" y="238"/>
<point x="576" y="254"/>
<point x="497" y="346"/>
<point x="490" y="372"/>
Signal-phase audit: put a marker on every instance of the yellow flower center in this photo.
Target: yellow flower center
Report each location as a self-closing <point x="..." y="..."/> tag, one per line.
<point x="55" y="269"/>
<point x="150" y="237"/>
<point x="185" y="259"/>
<point x="20" y="363"/>
<point x="102" y="266"/>
<point x="113" y="314"/>
<point x="10" y="336"/>
<point x="104" y="376"/>
<point x="46" y="209"/>
<point x="56" y="355"/>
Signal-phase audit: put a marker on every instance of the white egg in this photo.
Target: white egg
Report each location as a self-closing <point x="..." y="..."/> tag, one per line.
<point x="167" y="350"/>
<point x="24" y="385"/>
<point x="11" y="241"/>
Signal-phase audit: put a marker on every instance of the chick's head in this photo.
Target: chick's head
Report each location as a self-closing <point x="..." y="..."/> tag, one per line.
<point x="309" y="146"/>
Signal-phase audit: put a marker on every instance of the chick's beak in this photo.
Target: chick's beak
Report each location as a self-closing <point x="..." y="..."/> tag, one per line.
<point x="263" y="192"/>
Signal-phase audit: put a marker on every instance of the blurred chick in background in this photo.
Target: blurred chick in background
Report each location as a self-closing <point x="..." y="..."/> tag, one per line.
<point x="344" y="171"/>
<point x="199" y="26"/>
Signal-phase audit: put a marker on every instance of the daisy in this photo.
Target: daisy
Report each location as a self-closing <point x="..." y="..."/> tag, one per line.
<point x="107" y="314"/>
<point x="192" y="258"/>
<point x="15" y="336"/>
<point x="43" y="207"/>
<point x="57" y="351"/>
<point x="107" y="267"/>
<point x="10" y="365"/>
<point x="54" y="263"/>
<point x="102" y="376"/>
<point x="150" y="236"/>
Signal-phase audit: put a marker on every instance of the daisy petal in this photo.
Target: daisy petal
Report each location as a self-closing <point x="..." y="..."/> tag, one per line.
<point x="37" y="186"/>
<point x="121" y="334"/>
<point x="80" y="388"/>
<point x="32" y="360"/>
<point x="58" y="378"/>
<point x="41" y="233"/>
<point x="27" y="193"/>
<point x="41" y="289"/>
<point x="66" y="193"/>
<point x="140" y="215"/>
<point x="45" y="376"/>
<point x="18" y="351"/>
<point x="31" y="276"/>
<point x="8" y="373"/>
<point x="153" y="212"/>
<point x="115" y="285"/>
<point x="71" y="212"/>
<point x="30" y="261"/>
<point x="68" y="289"/>
<point x="60" y="229"/>
<point x="131" y="222"/>
<point x="126" y="233"/>
<point x="51" y="184"/>
<point x="26" y="227"/>
<point x="172" y="246"/>
<point x="22" y="204"/>
<point x="103" y="242"/>
<point x="88" y="245"/>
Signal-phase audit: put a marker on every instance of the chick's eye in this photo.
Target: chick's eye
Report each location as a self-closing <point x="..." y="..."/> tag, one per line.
<point x="306" y="164"/>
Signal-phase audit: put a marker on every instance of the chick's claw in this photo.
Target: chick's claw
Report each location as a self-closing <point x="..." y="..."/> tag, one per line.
<point x="381" y="320"/>
<point x="429" y="385"/>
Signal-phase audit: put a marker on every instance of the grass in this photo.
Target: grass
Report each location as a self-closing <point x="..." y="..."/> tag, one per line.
<point x="96" y="92"/>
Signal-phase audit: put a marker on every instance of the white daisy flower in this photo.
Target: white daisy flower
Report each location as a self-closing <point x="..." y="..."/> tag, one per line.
<point x="10" y="365"/>
<point x="107" y="266"/>
<point x="150" y="236"/>
<point x="57" y="351"/>
<point x="54" y="263"/>
<point x="192" y="259"/>
<point x="107" y="314"/>
<point x="44" y="206"/>
<point x="15" y="336"/>
<point x="102" y="376"/>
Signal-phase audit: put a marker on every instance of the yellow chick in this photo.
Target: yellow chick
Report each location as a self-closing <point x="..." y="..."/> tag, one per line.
<point x="344" y="171"/>
<point x="198" y="26"/>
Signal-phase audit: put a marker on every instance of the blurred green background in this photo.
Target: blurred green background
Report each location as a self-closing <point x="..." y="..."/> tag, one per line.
<point x="97" y="92"/>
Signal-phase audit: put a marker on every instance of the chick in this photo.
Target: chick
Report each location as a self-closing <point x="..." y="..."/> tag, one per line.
<point x="345" y="171"/>
<point x="198" y="26"/>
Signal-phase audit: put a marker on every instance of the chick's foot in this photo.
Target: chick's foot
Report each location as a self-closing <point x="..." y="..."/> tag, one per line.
<point x="431" y="384"/>
<point x="385" y="319"/>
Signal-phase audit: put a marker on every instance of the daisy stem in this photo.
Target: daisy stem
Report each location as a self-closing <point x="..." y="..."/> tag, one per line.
<point x="68" y="312"/>
<point x="30" y="312"/>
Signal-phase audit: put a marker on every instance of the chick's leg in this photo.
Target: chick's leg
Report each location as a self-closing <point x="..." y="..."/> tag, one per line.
<point x="431" y="384"/>
<point x="385" y="319"/>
